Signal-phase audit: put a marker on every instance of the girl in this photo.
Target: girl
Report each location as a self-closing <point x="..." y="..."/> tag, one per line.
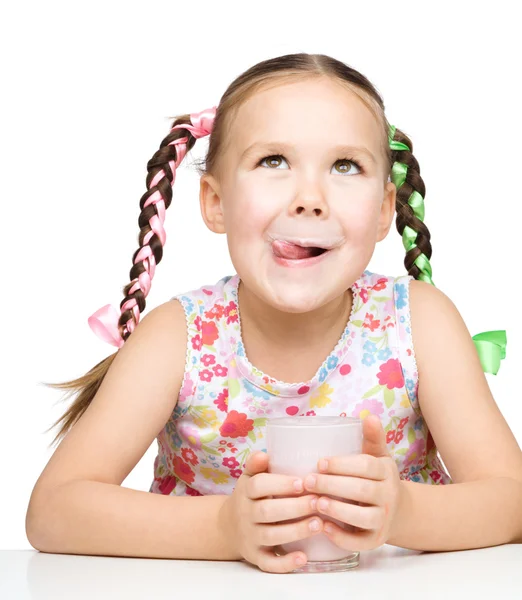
<point x="302" y="328"/>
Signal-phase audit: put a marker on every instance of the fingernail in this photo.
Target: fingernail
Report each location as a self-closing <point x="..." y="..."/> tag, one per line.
<point x="310" y="481"/>
<point x="313" y="503"/>
<point x="328" y="528"/>
<point x="323" y="464"/>
<point x="323" y="504"/>
<point x="314" y="525"/>
<point x="300" y="560"/>
<point x="298" y="485"/>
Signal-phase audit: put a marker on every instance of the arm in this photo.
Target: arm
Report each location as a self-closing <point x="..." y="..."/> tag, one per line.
<point x="483" y="507"/>
<point x="78" y="505"/>
<point x="91" y="517"/>
<point x="459" y="516"/>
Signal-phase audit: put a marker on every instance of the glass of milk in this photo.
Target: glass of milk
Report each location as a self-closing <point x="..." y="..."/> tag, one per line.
<point x="294" y="447"/>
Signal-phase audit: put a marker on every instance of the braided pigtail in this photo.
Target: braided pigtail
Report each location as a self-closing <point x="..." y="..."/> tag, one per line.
<point x="106" y="322"/>
<point x="410" y="206"/>
<point x="111" y="326"/>
<point x="490" y="345"/>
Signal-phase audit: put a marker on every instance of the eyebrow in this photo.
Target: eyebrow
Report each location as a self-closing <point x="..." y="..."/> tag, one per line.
<point x="282" y="146"/>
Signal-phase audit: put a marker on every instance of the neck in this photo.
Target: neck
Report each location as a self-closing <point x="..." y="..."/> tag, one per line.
<point x="266" y="327"/>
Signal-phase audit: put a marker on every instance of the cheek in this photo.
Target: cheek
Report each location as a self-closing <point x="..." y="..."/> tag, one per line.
<point x="360" y="218"/>
<point x="249" y="212"/>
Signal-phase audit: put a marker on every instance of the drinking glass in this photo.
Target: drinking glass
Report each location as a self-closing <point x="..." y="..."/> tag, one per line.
<point x="294" y="447"/>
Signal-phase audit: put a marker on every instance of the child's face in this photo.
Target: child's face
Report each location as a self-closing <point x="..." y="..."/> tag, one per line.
<point x="306" y="192"/>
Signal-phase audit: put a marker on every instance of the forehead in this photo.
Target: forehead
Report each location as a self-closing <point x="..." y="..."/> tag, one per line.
<point x="306" y="114"/>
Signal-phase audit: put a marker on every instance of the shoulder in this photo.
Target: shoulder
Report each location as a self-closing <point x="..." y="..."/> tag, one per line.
<point x="438" y="329"/>
<point x="161" y="331"/>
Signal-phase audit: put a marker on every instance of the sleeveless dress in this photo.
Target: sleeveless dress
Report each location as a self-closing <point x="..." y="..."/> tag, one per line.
<point x="224" y="401"/>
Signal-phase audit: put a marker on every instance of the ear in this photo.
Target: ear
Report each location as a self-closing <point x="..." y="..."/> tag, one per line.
<point x="210" y="204"/>
<point x="387" y="211"/>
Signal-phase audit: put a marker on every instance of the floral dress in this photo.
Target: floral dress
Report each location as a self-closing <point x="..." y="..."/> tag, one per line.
<point x="225" y="402"/>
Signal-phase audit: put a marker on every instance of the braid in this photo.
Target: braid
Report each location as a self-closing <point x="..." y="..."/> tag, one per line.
<point x="161" y="176"/>
<point x="410" y="206"/>
<point x="105" y="322"/>
<point x="490" y="345"/>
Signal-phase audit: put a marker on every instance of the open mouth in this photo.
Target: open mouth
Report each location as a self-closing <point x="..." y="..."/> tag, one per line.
<point x="291" y="251"/>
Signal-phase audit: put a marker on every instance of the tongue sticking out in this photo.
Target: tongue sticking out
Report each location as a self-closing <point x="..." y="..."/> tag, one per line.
<point x="291" y="251"/>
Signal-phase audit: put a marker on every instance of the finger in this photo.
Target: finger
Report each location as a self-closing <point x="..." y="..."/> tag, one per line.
<point x="364" y="517"/>
<point x="354" y="541"/>
<point x="283" y="509"/>
<point x="345" y="487"/>
<point x="269" y="562"/>
<point x="273" y="484"/>
<point x="355" y="465"/>
<point x="374" y="438"/>
<point x="275" y="535"/>
<point x="256" y="463"/>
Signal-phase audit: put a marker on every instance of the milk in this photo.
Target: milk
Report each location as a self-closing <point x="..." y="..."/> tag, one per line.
<point x="294" y="447"/>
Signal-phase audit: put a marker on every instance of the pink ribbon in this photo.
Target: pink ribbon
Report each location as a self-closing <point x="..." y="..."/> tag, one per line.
<point x="104" y="322"/>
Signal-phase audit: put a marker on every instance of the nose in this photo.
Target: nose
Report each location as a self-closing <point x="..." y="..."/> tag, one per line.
<point x="309" y="203"/>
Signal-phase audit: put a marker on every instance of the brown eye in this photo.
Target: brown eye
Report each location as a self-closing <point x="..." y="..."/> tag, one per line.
<point x="271" y="159"/>
<point x="347" y="165"/>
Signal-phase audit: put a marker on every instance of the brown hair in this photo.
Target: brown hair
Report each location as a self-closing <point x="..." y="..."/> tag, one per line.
<point x="269" y="73"/>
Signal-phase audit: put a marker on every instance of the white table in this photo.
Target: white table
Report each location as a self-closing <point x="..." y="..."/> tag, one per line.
<point x="385" y="573"/>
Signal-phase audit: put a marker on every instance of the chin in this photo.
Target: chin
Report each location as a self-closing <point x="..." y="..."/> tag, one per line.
<point x="296" y="298"/>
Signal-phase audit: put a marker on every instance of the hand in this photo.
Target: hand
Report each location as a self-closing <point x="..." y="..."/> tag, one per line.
<point x="250" y="516"/>
<point x="371" y="479"/>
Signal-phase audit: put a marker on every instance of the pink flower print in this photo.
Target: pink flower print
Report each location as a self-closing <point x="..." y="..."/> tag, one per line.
<point x="414" y="452"/>
<point x="371" y="323"/>
<point x="388" y="307"/>
<point x="188" y="386"/>
<point x="363" y="294"/>
<point x="208" y="359"/>
<point x="216" y="312"/>
<point x="167" y="484"/>
<point x="209" y="332"/>
<point x="183" y="471"/>
<point x="197" y="323"/>
<point x="236" y="425"/>
<point x="191" y="491"/>
<point x="191" y="434"/>
<point x="398" y="436"/>
<point x="189" y="456"/>
<point x="230" y="462"/>
<point x="197" y="342"/>
<point x="367" y="407"/>
<point x="391" y="374"/>
<point x="310" y="413"/>
<point x="381" y="284"/>
<point x="236" y="473"/>
<point x="222" y="401"/>
<point x="390" y="436"/>
<point x="435" y="475"/>
<point x="220" y="371"/>
<point x="403" y="423"/>
<point x="231" y="312"/>
<point x="206" y="375"/>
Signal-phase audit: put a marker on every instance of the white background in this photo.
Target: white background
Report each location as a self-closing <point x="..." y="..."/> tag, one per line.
<point x="88" y="92"/>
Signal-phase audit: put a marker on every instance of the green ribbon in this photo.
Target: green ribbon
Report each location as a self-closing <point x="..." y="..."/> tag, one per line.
<point x="491" y="348"/>
<point x="490" y="345"/>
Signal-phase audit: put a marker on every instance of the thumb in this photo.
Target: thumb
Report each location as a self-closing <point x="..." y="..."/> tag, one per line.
<point x="374" y="438"/>
<point x="256" y="463"/>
